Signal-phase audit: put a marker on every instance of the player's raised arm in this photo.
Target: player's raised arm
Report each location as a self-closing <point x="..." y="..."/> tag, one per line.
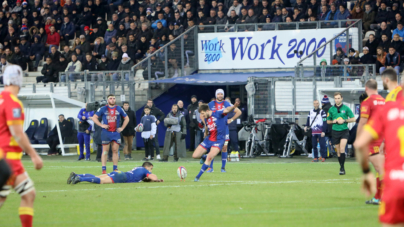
<point x="230" y="108"/>
<point x="19" y="135"/>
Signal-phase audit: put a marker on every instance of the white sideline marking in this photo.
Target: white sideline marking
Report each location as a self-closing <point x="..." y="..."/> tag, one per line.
<point x="219" y="183"/>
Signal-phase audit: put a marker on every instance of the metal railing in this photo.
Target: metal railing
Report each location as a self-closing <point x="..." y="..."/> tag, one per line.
<point x="278" y="26"/>
<point x="351" y="37"/>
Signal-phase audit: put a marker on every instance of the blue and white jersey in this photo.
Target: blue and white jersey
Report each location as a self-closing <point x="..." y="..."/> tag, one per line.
<point x="320" y="121"/>
<point x="137" y="174"/>
<point x="111" y="116"/>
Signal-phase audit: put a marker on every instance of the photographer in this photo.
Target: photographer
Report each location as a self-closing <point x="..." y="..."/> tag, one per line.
<point x="175" y="134"/>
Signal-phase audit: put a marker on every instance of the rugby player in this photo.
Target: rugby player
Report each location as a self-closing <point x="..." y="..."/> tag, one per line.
<point x="216" y="124"/>
<point x="220" y="104"/>
<point x="387" y="123"/>
<point x="372" y="103"/>
<point x="389" y="77"/>
<point x="13" y="141"/>
<point x="136" y="175"/>
<point x="111" y="133"/>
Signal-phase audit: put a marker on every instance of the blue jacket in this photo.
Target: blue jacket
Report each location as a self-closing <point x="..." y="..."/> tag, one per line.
<point x="399" y="32"/>
<point x="37" y="48"/>
<point x="317" y="124"/>
<point x="68" y="28"/>
<point x="163" y="22"/>
<point x="108" y="36"/>
<point x="393" y="60"/>
<point x="25" y="49"/>
<point x="83" y="113"/>
<point x="329" y="13"/>
<point x="342" y="16"/>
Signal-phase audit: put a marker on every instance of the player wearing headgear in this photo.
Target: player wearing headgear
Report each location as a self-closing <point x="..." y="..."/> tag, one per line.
<point x="387" y="123"/>
<point x="220" y="104"/>
<point x="136" y="175"/>
<point x="371" y="102"/>
<point x="111" y="133"/>
<point x="216" y="125"/>
<point x="13" y="141"/>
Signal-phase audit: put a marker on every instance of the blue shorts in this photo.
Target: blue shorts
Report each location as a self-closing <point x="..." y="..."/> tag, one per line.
<point x="207" y="144"/>
<point x="108" y="137"/>
<point x="117" y="177"/>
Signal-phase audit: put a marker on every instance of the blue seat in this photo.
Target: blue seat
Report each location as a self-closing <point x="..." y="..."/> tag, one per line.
<point x="31" y="130"/>
<point x="71" y="120"/>
<point x="41" y="132"/>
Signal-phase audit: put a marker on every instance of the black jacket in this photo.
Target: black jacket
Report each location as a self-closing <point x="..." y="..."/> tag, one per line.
<point x="91" y="65"/>
<point x="157" y="113"/>
<point x="66" y="129"/>
<point x="193" y="123"/>
<point x="49" y="70"/>
<point x="20" y="60"/>
<point x="325" y="108"/>
<point x="130" y="128"/>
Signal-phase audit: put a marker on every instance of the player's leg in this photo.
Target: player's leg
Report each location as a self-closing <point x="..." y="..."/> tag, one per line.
<point x="377" y="161"/>
<point x="115" y="157"/>
<point x="314" y="147"/>
<point x="24" y="186"/>
<point x="5" y="172"/>
<point x="80" y="138"/>
<point x="213" y="152"/>
<point x="224" y="156"/>
<point x="87" y="139"/>
<point x="102" y="179"/>
<point x="199" y="152"/>
<point x="104" y="157"/>
<point x="342" y="146"/>
<point x="396" y="225"/>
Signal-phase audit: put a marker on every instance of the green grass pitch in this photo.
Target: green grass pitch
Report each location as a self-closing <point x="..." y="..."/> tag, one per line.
<point x="253" y="192"/>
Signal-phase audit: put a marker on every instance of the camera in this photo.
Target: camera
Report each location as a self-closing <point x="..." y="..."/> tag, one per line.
<point x="94" y="106"/>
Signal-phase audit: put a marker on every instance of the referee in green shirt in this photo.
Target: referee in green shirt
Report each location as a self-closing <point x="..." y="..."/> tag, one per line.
<point x="339" y="116"/>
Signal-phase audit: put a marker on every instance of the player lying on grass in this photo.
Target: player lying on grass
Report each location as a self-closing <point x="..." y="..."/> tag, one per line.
<point x="138" y="174"/>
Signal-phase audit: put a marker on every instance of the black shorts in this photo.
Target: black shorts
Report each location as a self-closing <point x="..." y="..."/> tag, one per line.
<point x="337" y="136"/>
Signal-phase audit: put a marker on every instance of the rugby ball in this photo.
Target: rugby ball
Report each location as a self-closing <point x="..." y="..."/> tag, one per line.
<point x="182" y="172"/>
<point x="139" y="128"/>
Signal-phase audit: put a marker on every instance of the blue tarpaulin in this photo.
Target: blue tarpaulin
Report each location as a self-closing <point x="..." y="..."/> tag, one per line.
<point x="225" y="78"/>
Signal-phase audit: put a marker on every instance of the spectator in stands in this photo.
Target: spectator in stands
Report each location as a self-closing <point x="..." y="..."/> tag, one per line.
<point x="54" y="54"/>
<point x="90" y="64"/>
<point x="357" y="13"/>
<point x="160" y="31"/>
<point x="67" y="53"/>
<point x="146" y="32"/>
<point x="398" y="44"/>
<point x="382" y="14"/>
<point x="66" y="129"/>
<point x="367" y="58"/>
<point x="61" y="66"/>
<point x="74" y="68"/>
<point x="381" y="58"/>
<point x="25" y="49"/>
<point x="79" y="54"/>
<point x="384" y="43"/>
<point x="383" y="30"/>
<point x="353" y="54"/>
<point x="125" y="65"/>
<point x="323" y="14"/>
<point x="111" y="31"/>
<point x="142" y="46"/>
<point x="393" y="24"/>
<point x="18" y="58"/>
<point x="332" y="15"/>
<point x="85" y="46"/>
<point x="67" y="30"/>
<point x="175" y="135"/>
<point x="323" y="70"/>
<point x="114" y="62"/>
<point x="372" y="44"/>
<point x="121" y="31"/>
<point x="102" y="66"/>
<point x="268" y="25"/>
<point x="339" y="56"/>
<point x="235" y="7"/>
<point x="264" y="14"/>
<point x="392" y="60"/>
<point x="48" y="72"/>
<point x="212" y="17"/>
<point x="251" y="19"/>
<point x="297" y="15"/>
<point x="160" y="18"/>
<point x="347" y="68"/>
<point x="399" y="30"/>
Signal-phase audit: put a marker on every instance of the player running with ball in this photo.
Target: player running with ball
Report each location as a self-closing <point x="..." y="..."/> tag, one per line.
<point x="216" y="123"/>
<point x="111" y="133"/>
<point x="220" y="104"/>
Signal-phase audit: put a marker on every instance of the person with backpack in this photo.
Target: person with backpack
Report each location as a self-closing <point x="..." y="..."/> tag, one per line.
<point x="317" y="125"/>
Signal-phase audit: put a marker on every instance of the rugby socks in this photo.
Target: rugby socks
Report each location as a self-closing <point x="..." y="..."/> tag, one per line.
<point x="115" y="168"/>
<point x="211" y="164"/>
<point x="26" y="216"/>
<point x="339" y="160"/>
<point x="91" y="179"/>
<point x="224" y="159"/>
<point x="85" y="175"/>
<point x="342" y="160"/>
<point x="104" y="169"/>
<point x="203" y="169"/>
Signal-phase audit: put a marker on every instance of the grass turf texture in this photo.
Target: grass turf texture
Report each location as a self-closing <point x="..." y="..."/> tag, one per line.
<point x="253" y="192"/>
